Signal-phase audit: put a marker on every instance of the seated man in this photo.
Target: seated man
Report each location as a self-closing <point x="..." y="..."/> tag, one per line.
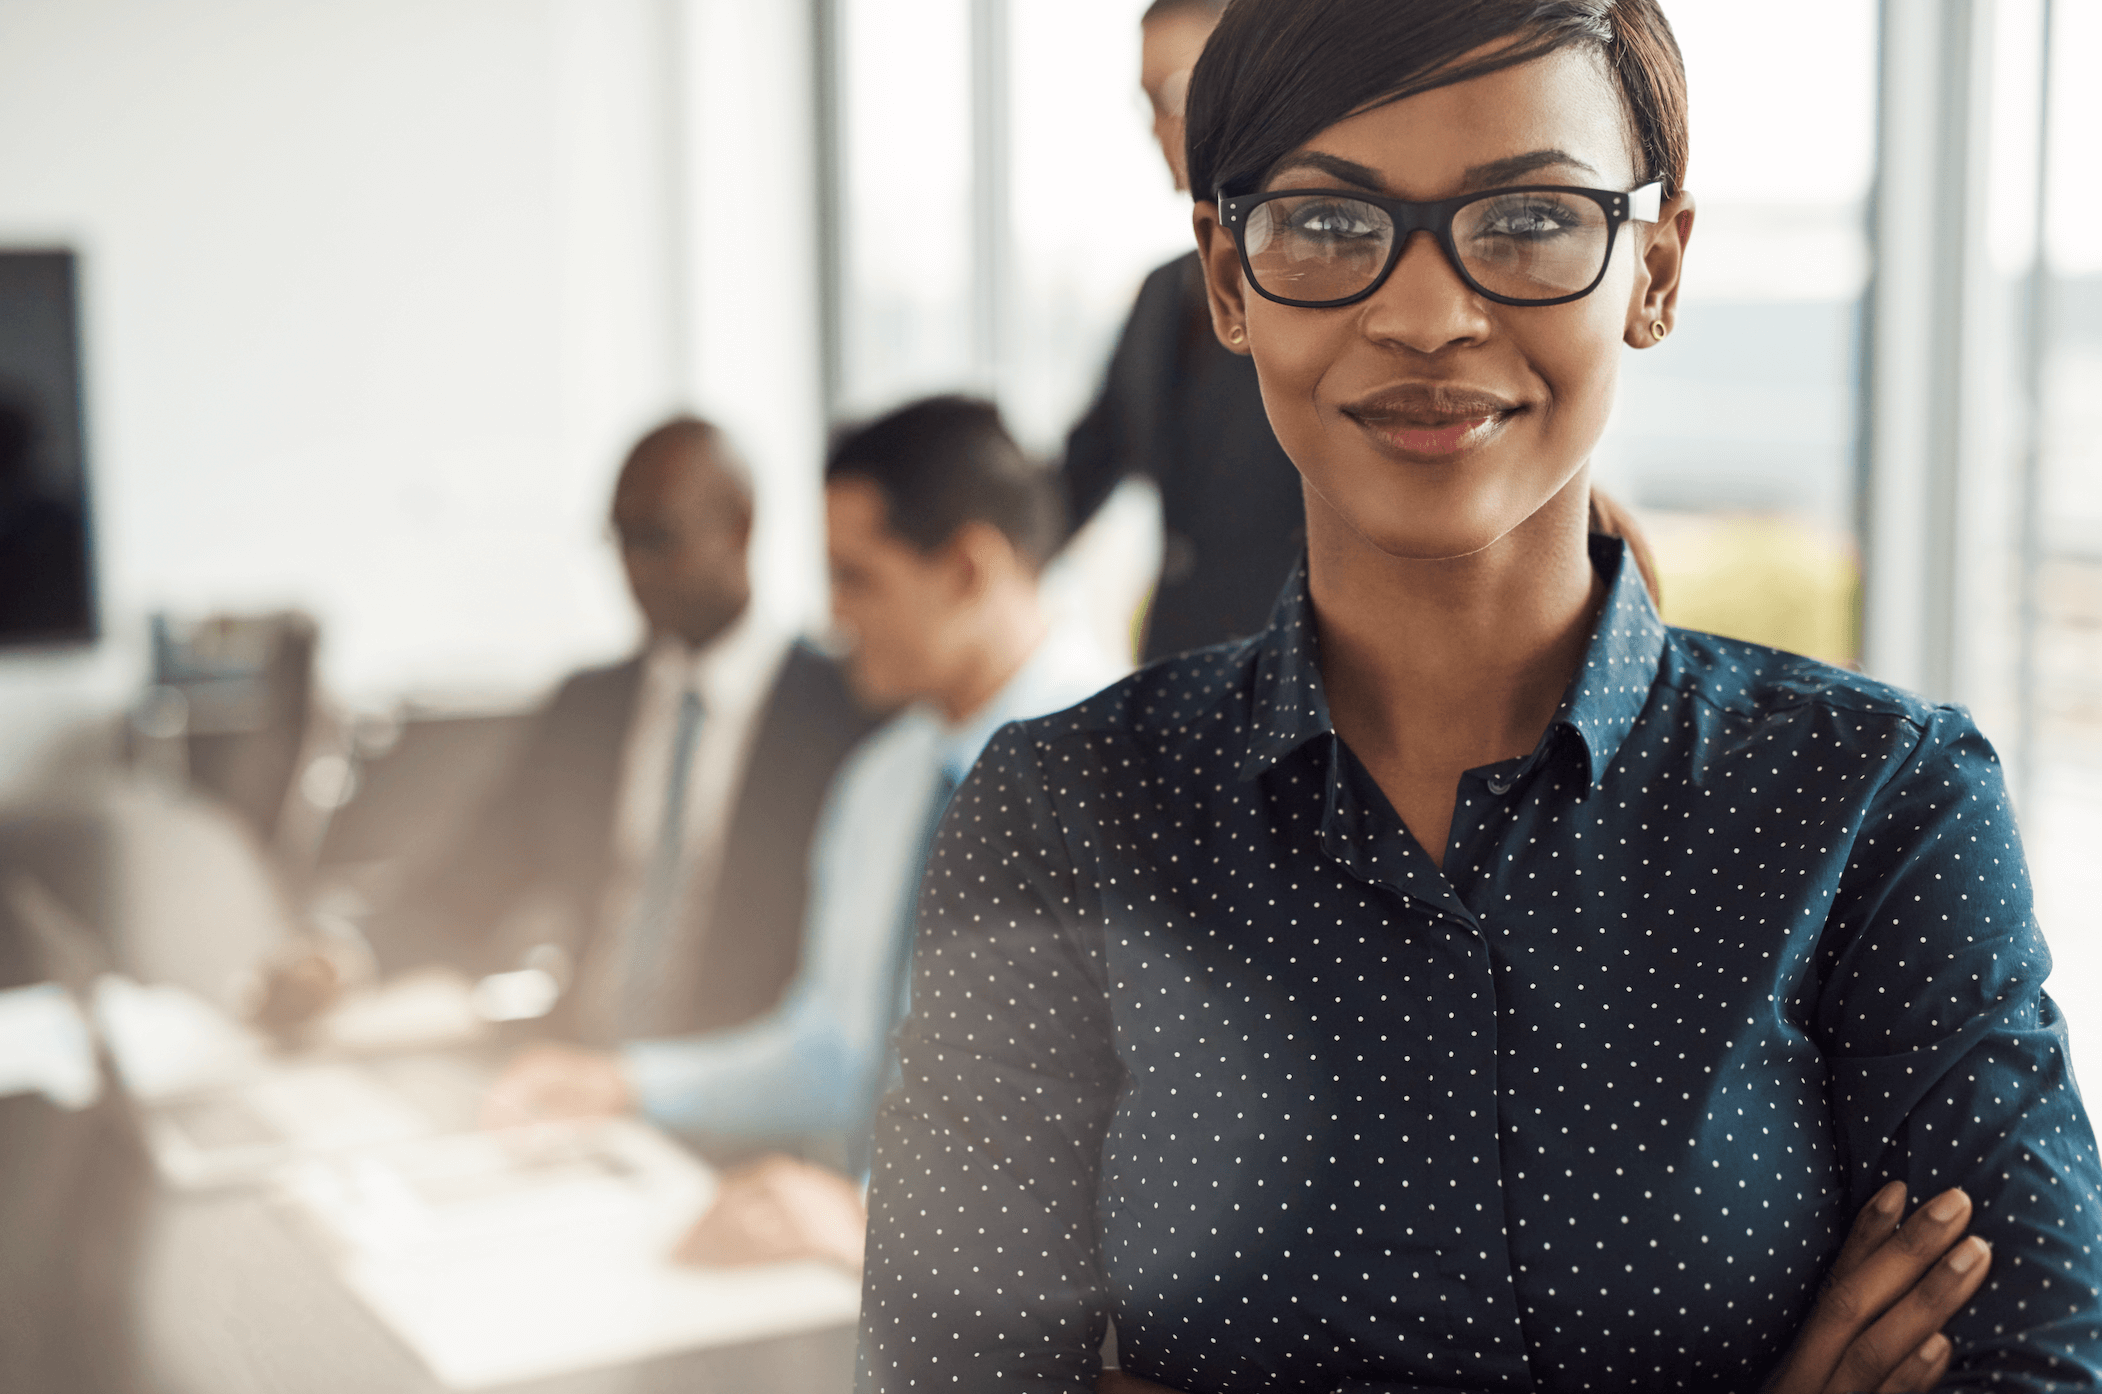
<point x="938" y="526"/>
<point x="653" y="829"/>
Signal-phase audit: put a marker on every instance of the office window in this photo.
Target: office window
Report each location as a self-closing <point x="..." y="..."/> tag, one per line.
<point x="978" y="141"/>
<point x="906" y="201"/>
<point x="1735" y="438"/>
<point x="2059" y="754"/>
<point x="1093" y="206"/>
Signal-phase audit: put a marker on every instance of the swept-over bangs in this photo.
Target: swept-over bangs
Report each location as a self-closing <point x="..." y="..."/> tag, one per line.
<point x="1276" y="73"/>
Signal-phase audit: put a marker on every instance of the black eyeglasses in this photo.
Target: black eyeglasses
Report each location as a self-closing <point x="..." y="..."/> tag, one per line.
<point x="1541" y="244"/>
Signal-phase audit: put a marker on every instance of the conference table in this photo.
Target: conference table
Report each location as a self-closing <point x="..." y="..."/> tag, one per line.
<point x="231" y="1293"/>
<point x="130" y="1284"/>
<point x="230" y="1300"/>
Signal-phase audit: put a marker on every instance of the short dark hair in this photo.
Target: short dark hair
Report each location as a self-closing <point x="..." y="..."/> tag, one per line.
<point x="1278" y="72"/>
<point x="942" y="462"/>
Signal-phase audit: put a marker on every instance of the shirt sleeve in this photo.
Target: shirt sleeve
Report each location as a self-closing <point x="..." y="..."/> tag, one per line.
<point x="790" y="1072"/>
<point x="984" y="1267"/>
<point x="1949" y="1064"/>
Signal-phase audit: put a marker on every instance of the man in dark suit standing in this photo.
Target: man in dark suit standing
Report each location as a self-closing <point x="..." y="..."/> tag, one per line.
<point x="649" y="842"/>
<point x="1181" y="409"/>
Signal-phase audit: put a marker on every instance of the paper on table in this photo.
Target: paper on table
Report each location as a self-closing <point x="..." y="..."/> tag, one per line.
<point x="248" y="1132"/>
<point x="220" y="1109"/>
<point x="506" y="1257"/>
<point x="46" y="1047"/>
<point x="428" y="1008"/>
<point x="167" y="1040"/>
<point x="481" y="1324"/>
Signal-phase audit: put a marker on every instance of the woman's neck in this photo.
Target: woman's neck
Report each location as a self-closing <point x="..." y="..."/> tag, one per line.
<point x="1433" y="668"/>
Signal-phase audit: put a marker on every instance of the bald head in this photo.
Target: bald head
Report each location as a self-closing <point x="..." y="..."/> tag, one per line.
<point x="682" y="510"/>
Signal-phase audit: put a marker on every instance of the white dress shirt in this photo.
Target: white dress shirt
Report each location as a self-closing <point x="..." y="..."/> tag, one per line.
<point x="733" y="676"/>
<point x="812" y="1064"/>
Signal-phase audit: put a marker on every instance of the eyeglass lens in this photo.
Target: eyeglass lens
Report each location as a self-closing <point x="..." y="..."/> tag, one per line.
<point x="1527" y="246"/>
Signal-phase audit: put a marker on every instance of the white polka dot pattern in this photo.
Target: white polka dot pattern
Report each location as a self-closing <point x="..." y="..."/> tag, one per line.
<point x="1202" y="1039"/>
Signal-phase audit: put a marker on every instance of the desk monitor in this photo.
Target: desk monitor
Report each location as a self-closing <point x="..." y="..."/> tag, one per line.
<point x="46" y="576"/>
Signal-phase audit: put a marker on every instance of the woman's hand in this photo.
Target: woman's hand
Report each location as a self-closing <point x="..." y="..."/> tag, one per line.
<point x="1877" y="1324"/>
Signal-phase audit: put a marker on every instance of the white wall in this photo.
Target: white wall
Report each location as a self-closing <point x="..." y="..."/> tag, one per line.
<point x="376" y="296"/>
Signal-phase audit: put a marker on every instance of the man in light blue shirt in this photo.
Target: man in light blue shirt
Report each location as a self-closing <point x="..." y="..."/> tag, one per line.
<point x="937" y="529"/>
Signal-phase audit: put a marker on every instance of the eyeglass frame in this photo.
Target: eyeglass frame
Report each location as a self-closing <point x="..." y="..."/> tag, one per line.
<point x="1641" y="205"/>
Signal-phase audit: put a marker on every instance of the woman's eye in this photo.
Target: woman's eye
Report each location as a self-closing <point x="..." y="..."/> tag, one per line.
<point x="1529" y="220"/>
<point x="1332" y="222"/>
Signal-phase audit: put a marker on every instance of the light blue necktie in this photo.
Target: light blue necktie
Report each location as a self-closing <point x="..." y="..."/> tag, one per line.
<point x="945" y="782"/>
<point x="663" y="884"/>
<point x="907" y="932"/>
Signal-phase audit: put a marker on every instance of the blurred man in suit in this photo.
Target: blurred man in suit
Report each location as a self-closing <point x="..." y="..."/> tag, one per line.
<point x="648" y="842"/>
<point x="937" y="527"/>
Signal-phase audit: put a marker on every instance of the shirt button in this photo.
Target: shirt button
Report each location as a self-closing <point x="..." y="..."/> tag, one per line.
<point x="1498" y="785"/>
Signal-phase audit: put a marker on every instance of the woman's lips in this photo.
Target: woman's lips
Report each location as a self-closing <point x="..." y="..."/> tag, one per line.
<point x="1433" y="439"/>
<point x="1431" y="422"/>
<point x="1436" y="440"/>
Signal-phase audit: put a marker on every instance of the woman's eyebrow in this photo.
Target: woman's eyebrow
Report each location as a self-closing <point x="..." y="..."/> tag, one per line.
<point x="1349" y="171"/>
<point x="1481" y="176"/>
<point x="1518" y="166"/>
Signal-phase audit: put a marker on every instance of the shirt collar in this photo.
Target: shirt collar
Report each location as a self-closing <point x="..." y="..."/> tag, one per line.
<point x="1066" y="666"/>
<point x="726" y="671"/>
<point x="1620" y="662"/>
<point x="1600" y="706"/>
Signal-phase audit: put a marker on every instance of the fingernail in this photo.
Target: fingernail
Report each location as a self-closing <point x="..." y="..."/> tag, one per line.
<point x="1933" y="1348"/>
<point x="1946" y="1207"/>
<point x="1964" y="1257"/>
<point x="1890" y="1198"/>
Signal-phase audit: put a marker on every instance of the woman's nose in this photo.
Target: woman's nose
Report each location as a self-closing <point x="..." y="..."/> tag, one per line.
<point x="1424" y="304"/>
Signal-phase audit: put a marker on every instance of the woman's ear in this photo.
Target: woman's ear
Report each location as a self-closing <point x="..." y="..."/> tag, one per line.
<point x="1223" y="285"/>
<point x="1653" y="305"/>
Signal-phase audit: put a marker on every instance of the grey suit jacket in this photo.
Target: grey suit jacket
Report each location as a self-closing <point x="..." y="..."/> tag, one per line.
<point x="545" y="836"/>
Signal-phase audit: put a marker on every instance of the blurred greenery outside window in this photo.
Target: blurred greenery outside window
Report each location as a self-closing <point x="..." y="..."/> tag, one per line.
<point x="1770" y="578"/>
<point x="1735" y="439"/>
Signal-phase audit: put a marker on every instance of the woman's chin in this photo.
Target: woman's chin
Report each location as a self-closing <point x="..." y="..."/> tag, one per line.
<point x="1432" y="520"/>
<point x="1436" y="539"/>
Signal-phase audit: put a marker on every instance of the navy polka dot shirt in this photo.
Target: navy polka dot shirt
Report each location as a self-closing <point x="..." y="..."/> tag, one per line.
<point x="1201" y="1040"/>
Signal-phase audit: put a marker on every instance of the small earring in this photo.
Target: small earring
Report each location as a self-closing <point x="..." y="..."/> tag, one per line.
<point x="1657" y="329"/>
<point x="1237" y="336"/>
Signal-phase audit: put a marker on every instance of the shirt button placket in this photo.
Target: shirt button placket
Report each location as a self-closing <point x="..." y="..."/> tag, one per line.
<point x="1480" y="1287"/>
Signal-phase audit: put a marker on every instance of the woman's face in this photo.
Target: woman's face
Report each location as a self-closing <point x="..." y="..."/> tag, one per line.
<point x="1432" y="421"/>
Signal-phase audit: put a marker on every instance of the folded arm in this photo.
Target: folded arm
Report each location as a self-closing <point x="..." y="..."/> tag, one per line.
<point x="1949" y="1063"/>
<point x="983" y="1261"/>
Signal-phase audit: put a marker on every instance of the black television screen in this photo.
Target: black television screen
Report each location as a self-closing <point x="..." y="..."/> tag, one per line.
<point x="47" y="592"/>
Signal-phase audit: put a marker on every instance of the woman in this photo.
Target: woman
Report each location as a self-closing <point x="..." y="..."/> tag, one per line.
<point x="1469" y="983"/>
